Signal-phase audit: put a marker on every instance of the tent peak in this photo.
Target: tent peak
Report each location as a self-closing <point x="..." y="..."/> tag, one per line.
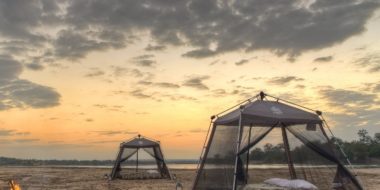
<point x="262" y="95"/>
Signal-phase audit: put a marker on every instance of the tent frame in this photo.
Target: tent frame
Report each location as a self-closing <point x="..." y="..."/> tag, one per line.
<point x="261" y="96"/>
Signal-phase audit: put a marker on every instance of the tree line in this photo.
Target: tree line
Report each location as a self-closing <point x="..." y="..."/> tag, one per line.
<point x="364" y="150"/>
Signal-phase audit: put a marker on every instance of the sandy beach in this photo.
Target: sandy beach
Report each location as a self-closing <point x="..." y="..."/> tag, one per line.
<point x="36" y="178"/>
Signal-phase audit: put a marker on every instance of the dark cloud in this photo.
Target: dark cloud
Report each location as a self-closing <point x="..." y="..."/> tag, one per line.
<point x="6" y="132"/>
<point x="198" y="130"/>
<point x="178" y="97"/>
<point x="89" y="120"/>
<point x="139" y="94"/>
<point x="144" y="60"/>
<point x="323" y="59"/>
<point x="242" y="62"/>
<point x="196" y="82"/>
<point x="347" y="99"/>
<point x="11" y="132"/>
<point x="74" y="45"/>
<point x="18" y="93"/>
<point x="283" y="80"/>
<point x="19" y="19"/>
<point x="9" y="69"/>
<point x="159" y="84"/>
<point x="376" y="88"/>
<point x="352" y="109"/>
<point x="109" y="107"/>
<point x="214" y="62"/>
<point x="371" y="62"/>
<point x="209" y="27"/>
<point x="35" y="66"/>
<point x="113" y="132"/>
<point x="219" y="92"/>
<point x="95" y="72"/>
<point x="25" y="140"/>
<point x="155" y="47"/>
<point x="28" y="94"/>
<point x="167" y="85"/>
<point x="199" y="53"/>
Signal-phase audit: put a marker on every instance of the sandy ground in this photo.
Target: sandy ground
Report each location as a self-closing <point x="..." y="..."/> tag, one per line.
<point x="36" y="178"/>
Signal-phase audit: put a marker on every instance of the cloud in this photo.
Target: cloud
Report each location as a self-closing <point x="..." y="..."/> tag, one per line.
<point x="95" y="72"/>
<point x="209" y="27"/>
<point x="73" y="45"/>
<point x="178" y="97"/>
<point x="9" y="69"/>
<point x="351" y="109"/>
<point x="35" y="66"/>
<point x="11" y="132"/>
<point x="196" y="82"/>
<point x="323" y="59"/>
<point x="348" y="99"/>
<point x="167" y="85"/>
<point x="376" y="88"/>
<point x="370" y="61"/>
<point x="155" y="47"/>
<point x="283" y="80"/>
<point x="197" y="130"/>
<point x="25" y="140"/>
<point x="242" y="62"/>
<point x="113" y="132"/>
<point x="139" y="94"/>
<point x="6" y="132"/>
<point x="159" y="84"/>
<point x="199" y="53"/>
<point x="144" y="60"/>
<point x="89" y="120"/>
<point x="19" y="93"/>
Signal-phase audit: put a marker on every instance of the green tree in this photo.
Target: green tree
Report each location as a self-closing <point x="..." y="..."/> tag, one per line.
<point x="364" y="137"/>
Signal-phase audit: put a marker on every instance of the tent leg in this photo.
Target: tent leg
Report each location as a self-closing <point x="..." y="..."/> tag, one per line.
<point x="288" y="155"/>
<point x="117" y="164"/>
<point x="249" y="141"/>
<point x="237" y="151"/>
<point x="204" y="156"/>
<point x="137" y="160"/>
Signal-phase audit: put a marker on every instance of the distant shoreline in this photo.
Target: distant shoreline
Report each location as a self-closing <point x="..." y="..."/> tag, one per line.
<point x="6" y="161"/>
<point x="173" y="163"/>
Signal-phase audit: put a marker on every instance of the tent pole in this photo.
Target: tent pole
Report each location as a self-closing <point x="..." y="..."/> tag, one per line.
<point x="117" y="163"/>
<point x="204" y="156"/>
<point x="249" y="141"/>
<point x="238" y="147"/>
<point x="137" y="160"/>
<point x="287" y="150"/>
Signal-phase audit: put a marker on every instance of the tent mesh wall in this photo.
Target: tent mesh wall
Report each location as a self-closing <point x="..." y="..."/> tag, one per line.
<point x="218" y="168"/>
<point x="317" y="160"/>
<point x="156" y="153"/>
<point x="147" y="167"/>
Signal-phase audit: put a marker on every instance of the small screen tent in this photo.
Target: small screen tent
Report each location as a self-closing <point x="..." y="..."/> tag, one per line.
<point x="140" y="158"/>
<point x="265" y="138"/>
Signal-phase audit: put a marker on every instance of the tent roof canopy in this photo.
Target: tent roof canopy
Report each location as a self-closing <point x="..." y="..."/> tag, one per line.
<point x="139" y="142"/>
<point x="265" y="112"/>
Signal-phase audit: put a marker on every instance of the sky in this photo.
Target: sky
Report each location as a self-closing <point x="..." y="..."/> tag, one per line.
<point x="79" y="77"/>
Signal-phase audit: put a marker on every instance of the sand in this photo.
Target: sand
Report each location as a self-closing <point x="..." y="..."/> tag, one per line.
<point x="36" y="178"/>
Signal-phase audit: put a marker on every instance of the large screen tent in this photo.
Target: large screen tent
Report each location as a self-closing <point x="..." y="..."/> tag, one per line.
<point x="140" y="158"/>
<point x="266" y="137"/>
